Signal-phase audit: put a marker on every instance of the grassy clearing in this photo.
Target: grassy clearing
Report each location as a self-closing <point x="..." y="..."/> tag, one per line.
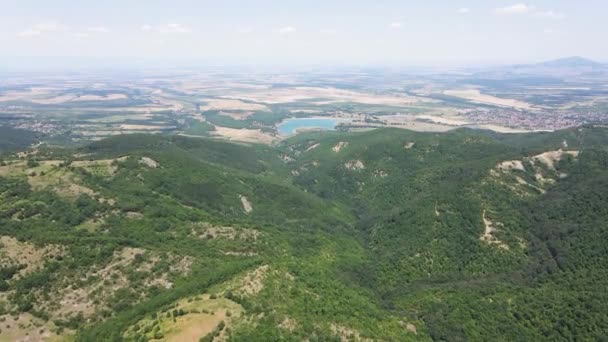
<point x="187" y="320"/>
<point x="59" y="176"/>
<point x="31" y="257"/>
<point x="26" y="327"/>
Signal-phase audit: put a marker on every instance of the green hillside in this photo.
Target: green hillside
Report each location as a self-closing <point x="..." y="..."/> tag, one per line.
<point x="387" y="235"/>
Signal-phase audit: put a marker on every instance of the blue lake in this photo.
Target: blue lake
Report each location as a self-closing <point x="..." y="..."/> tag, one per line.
<point x="290" y="126"/>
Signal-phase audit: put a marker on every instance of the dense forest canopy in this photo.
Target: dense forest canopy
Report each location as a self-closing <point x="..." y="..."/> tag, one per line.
<point x="386" y="235"/>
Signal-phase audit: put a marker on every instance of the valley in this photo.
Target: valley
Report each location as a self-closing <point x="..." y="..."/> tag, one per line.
<point x="251" y="107"/>
<point x="303" y="171"/>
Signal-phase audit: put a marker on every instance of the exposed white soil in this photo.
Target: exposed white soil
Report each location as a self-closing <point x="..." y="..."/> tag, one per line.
<point x="286" y="159"/>
<point x="312" y="147"/>
<point x="288" y="324"/>
<point x="149" y="162"/>
<point x="354" y="165"/>
<point x="246" y="204"/>
<point x="253" y="282"/>
<point x="511" y="165"/>
<point x="380" y="174"/>
<point x="347" y="334"/>
<point x="550" y="158"/>
<point x="488" y="235"/>
<point x="339" y="146"/>
<point x="204" y="230"/>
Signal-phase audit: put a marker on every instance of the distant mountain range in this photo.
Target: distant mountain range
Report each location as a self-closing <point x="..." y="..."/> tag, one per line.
<point x="572" y="62"/>
<point x="563" y="67"/>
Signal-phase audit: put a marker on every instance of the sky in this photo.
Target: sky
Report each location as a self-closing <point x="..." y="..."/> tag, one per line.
<point x="320" y="32"/>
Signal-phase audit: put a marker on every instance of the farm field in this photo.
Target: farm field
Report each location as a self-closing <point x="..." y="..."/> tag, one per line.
<point x="90" y="107"/>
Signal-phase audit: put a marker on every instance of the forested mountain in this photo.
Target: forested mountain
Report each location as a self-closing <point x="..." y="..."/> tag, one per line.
<point x="387" y="235"/>
<point x="13" y="139"/>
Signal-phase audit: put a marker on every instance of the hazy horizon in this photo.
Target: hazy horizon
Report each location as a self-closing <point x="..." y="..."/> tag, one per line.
<point x="61" y="63"/>
<point x="237" y="32"/>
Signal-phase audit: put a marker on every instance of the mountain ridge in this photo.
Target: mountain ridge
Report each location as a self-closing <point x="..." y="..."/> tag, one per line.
<point x="573" y="62"/>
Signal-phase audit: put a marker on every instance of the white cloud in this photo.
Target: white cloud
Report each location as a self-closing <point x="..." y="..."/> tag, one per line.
<point x="146" y="27"/>
<point x="81" y="35"/>
<point x="550" y="31"/>
<point x="523" y="9"/>
<point x="175" y="29"/>
<point x="245" y="30"/>
<point x="39" y="30"/>
<point x="396" y="25"/>
<point x="463" y="10"/>
<point x="330" y="32"/>
<point x="48" y="27"/>
<point x="550" y="14"/>
<point x="515" y="9"/>
<point x="98" y="29"/>
<point x="287" y="30"/>
<point x="29" y="33"/>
